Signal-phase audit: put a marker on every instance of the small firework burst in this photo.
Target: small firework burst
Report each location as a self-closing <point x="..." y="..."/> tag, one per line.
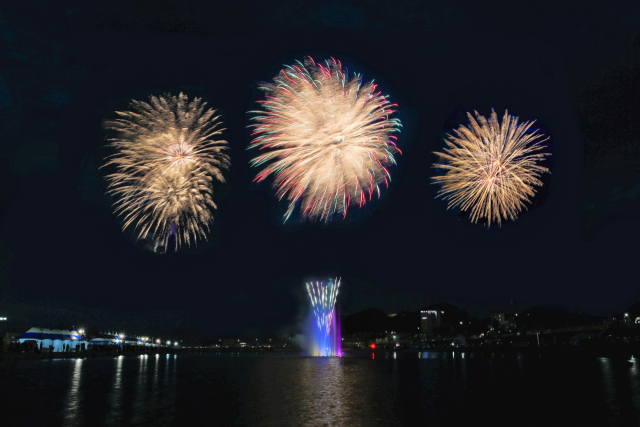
<point x="491" y="169"/>
<point x="326" y="139"/>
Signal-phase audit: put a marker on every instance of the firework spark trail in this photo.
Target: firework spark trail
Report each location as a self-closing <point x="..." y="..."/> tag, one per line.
<point x="326" y="139"/>
<point x="491" y="169"/>
<point x="166" y="160"/>
<point x="323" y="300"/>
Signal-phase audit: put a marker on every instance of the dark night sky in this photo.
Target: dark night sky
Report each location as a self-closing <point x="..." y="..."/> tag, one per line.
<point x="67" y="68"/>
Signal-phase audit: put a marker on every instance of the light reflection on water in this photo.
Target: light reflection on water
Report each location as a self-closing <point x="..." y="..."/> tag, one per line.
<point x="73" y="399"/>
<point x="140" y="400"/>
<point x="609" y="385"/>
<point x="394" y="388"/>
<point x="115" y="399"/>
<point x="319" y="394"/>
<point x="621" y="386"/>
<point x="634" y="380"/>
<point x="463" y="369"/>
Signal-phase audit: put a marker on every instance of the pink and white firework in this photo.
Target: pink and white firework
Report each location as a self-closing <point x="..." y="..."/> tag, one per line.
<point x="326" y="139"/>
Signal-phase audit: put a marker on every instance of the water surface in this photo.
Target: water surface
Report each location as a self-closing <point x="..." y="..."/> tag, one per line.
<point x="402" y="388"/>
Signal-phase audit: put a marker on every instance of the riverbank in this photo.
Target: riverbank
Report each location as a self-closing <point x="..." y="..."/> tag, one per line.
<point x="78" y="354"/>
<point x="548" y="352"/>
<point x="93" y="354"/>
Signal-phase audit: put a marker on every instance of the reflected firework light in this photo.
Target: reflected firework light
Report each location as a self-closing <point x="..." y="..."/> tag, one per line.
<point x="324" y="329"/>
<point x="491" y="168"/>
<point x="166" y="158"/>
<point x="326" y="139"/>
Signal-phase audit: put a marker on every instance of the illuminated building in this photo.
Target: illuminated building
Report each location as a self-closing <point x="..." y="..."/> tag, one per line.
<point x="430" y="320"/>
<point x="499" y="316"/>
<point x="505" y="320"/>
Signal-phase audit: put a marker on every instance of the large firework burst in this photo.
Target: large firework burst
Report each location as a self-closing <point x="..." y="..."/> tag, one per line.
<point x="166" y="159"/>
<point x="327" y="138"/>
<point x="491" y="169"/>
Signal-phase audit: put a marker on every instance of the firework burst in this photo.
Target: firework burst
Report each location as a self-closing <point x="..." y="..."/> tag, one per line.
<point x="326" y="139"/>
<point x="166" y="160"/>
<point x="491" y="169"/>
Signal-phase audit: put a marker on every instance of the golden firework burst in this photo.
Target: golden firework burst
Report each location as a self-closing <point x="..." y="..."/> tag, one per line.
<point x="166" y="160"/>
<point x="491" y="168"/>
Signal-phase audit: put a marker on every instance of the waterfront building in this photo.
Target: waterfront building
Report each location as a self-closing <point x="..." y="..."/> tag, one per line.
<point x="57" y="339"/>
<point x="390" y="338"/>
<point x="230" y="343"/>
<point x="430" y="320"/>
<point x="504" y="319"/>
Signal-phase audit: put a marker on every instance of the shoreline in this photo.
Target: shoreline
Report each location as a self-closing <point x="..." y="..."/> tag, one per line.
<point x="546" y="353"/>
<point x="86" y="354"/>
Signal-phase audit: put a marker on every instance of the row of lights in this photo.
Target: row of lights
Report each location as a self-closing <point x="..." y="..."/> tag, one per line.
<point x="121" y="334"/>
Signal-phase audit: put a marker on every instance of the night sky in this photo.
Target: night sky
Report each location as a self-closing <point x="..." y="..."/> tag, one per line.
<point x="572" y="67"/>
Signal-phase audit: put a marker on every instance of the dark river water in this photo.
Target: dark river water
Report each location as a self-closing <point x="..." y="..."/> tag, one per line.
<point x="404" y="388"/>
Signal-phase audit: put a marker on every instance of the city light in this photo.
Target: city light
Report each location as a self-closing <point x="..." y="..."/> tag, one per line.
<point x="3" y="318"/>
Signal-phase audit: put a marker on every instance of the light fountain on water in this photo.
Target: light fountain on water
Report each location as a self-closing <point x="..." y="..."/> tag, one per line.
<point x="323" y="324"/>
